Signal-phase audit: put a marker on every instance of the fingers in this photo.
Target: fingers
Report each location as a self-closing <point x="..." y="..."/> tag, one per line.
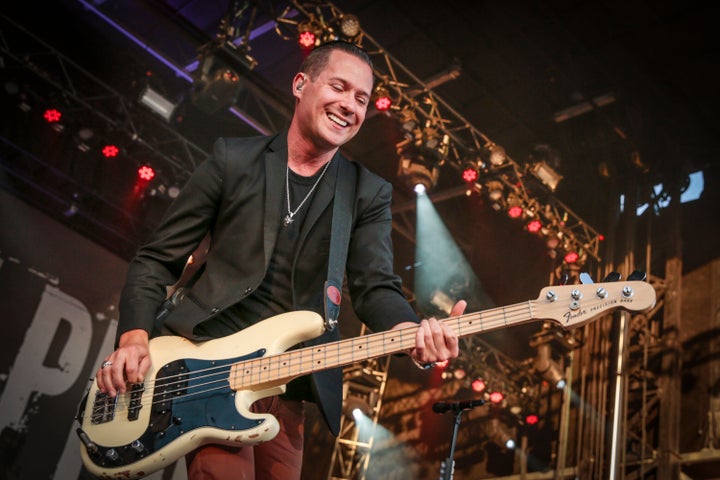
<point x="458" y="309"/>
<point x="435" y="342"/>
<point x="125" y="365"/>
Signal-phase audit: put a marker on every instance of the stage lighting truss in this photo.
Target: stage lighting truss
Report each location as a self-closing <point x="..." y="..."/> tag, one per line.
<point x="486" y="371"/>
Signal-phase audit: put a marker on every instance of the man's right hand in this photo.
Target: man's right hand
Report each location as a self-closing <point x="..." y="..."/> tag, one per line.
<point x="128" y="364"/>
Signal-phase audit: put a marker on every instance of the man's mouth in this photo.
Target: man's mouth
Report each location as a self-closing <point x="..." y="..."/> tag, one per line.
<point x="337" y="120"/>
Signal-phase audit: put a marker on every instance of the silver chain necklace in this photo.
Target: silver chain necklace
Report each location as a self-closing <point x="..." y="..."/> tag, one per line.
<point x="289" y="217"/>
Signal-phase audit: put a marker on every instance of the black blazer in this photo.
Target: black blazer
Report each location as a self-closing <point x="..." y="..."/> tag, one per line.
<point x="237" y="195"/>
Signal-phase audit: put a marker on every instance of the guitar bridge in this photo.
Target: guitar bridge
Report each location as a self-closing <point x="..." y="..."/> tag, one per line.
<point x="103" y="409"/>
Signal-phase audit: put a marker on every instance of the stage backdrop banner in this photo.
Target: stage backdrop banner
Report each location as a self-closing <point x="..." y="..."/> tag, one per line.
<point x="59" y="294"/>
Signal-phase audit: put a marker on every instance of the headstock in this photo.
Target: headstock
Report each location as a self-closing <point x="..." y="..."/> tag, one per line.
<point x="573" y="305"/>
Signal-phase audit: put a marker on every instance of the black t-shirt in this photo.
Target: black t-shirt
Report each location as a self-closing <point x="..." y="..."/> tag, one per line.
<point x="274" y="295"/>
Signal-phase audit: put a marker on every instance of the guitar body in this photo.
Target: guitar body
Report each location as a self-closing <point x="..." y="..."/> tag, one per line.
<point x="188" y="399"/>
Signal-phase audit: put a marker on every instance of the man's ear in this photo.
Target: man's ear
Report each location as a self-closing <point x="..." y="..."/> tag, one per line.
<point x="298" y="82"/>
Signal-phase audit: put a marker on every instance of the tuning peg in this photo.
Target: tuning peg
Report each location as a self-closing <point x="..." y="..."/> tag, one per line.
<point x="585" y="278"/>
<point x="612" y="277"/>
<point x="637" y="275"/>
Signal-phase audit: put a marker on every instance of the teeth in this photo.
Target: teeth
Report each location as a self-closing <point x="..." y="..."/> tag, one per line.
<point x="337" y="120"/>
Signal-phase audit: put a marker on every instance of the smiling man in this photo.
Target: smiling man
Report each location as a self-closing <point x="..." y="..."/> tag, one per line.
<point x="267" y="205"/>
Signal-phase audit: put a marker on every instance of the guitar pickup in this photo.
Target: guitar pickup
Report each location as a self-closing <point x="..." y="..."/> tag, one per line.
<point x="136" y="394"/>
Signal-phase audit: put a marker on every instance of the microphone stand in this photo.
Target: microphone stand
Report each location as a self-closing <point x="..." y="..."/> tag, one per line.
<point x="447" y="467"/>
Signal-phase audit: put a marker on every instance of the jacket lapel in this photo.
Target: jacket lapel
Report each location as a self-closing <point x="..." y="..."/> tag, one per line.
<point x="322" y="198"/>
<point x="275" y="168"/>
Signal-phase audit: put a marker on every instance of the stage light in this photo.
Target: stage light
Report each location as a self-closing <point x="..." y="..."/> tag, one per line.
<point x="531" y="419"/>
<point x="146" y="173"/>
<point x="417" y="175"/>
<point x="350" y="26"/>
<point x="534" y="226"/>
<point x="308" y="34"/>
<point x="546" y="175"/>
<point x="356" y="407"/>
<point x="215" y="84"/>
<point x="157" y="103"/>
<point x="498" y="433"/>
<point x="497" y="155"/>
<point x="470" y="174"/>
<point x="383" y="102"/>
<point x="110" y="151"/>
<point x="459" y="373"/>
<point x="52" y="115"/>
<point x="173" y="191"/>
<point x="496" y="397"/>
<point x="571" y="257"/>
<point x="494" y="190"/>
<point x="478" y="385"/>
<point x="515" y="211"/>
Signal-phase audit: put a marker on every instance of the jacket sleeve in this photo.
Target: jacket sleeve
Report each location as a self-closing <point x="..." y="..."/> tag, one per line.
<point x="375" y="289"/>
<point x="159" y="263"/>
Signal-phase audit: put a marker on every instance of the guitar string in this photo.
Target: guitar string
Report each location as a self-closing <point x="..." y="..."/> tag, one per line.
<point x="508" y="314"/>
<point x="489" y="320"/>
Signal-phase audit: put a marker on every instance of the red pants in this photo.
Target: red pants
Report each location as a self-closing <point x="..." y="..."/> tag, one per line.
<point x="278" y="459"/>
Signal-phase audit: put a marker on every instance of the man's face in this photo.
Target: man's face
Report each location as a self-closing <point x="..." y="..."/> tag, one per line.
<point x="332" y="107"/>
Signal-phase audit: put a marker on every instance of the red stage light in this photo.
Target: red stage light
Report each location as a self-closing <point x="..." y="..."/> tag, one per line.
<point x="306" y="39"/>
<point x="497" y="397"/>
<point x="110" y="151"/>
<point x="470" y="175"/>
<point x="383" y="103"/>
<point x="571" y="257"/>
<point x="52" y="115"/>
<point x="534" y="226"/>
<point x="531" y="419"/>
<point x="515" y="211"/>
<point x="478" y="385"/>
<point x="146" y="173"/>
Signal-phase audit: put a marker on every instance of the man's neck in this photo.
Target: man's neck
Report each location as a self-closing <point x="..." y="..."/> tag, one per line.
<point x="304" y="157"/>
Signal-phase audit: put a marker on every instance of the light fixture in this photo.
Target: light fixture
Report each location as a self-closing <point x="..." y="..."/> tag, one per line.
<point x="497" y="397"/>
<point x="499" y="433"/>
<point x="546" y="174"/>
<point x="383" y="101"/>
<point x="110" y="151"/>
<point x="547" y="367"/>
<point x="309" y="34"/>
<point x="470" y="173"/>
<point x="420" y="177"/>
<point x="497" y="155"/>
<point x="350" y="26"/>
<point x="494" y="191"/>
<point x="478" y="385"/>
<point x="216" y="85"/>
<point x="534" y="226"/>
<point x="356" y="407"/>
<point x="146" y="173"/>
<point x="157" y="103"/>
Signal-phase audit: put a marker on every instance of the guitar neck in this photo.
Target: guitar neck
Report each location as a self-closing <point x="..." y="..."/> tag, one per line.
<point x="283" y="367"/>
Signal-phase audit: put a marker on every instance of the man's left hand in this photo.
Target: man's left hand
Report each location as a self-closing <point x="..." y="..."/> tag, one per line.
<point x="434" y="340"/>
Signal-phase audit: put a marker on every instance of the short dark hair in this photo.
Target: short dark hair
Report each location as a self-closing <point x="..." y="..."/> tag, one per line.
<point x="318" y="58"/>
